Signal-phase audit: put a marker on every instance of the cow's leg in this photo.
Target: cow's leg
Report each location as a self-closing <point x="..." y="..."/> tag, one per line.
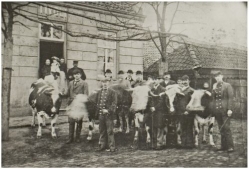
<point x="53" y="123"/>
<point x="127" y="124"/>
<point x="137" y="126"/>
<point x="204" y="139"/>
<point x="33" y="117"/>
<point x="40" y="116"/>
<point x="179" y="141"/>
<point x="90" y="133"/>
<point x="197" y="131"/>
<point x="44" y="121"/>
<point x="121" y="127"/>
<point x="210" y="131"/>
<point x="148" y="138"/>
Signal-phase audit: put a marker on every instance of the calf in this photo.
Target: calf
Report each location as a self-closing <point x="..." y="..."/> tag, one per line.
<point x="45" y="101"/>
<point x="200" y="103"/>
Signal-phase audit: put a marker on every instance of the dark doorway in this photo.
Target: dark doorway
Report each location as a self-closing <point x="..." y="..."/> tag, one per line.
<point x="49" y="49"/>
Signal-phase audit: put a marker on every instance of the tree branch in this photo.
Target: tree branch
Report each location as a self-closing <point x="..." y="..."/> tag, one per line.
<point x="19" y="6"/>
<point x="156" y="44"/>
<point x="22" y="24"/>
<point x="173" y="17"/>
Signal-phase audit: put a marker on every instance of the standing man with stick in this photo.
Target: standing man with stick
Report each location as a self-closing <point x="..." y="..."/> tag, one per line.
<point x="223" y="103"/>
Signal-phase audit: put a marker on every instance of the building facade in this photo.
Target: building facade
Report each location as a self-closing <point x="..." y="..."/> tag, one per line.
<point x="41" y="41"/>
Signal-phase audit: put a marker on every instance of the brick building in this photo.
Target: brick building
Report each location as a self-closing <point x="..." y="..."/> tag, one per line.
<point x="33" y="46"/>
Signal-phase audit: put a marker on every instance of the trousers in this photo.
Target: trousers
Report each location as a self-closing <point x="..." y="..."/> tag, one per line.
<point x="106" y="136"/>
<point x="226" y="135"/>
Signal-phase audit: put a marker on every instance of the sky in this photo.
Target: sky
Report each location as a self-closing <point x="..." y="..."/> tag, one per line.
<point x="211" y="22"/>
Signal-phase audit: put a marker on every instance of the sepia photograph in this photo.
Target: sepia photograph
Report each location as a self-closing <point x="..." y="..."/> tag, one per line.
<point x="107" y="84"/>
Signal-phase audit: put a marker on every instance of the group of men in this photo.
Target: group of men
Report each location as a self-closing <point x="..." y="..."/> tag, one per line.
<point x="106" y="103"/>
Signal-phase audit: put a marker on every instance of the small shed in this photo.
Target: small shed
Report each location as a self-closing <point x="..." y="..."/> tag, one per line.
<point x="231" y="61"/>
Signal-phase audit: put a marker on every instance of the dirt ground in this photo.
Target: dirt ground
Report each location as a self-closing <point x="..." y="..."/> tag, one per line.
<point x="25" y="150"/>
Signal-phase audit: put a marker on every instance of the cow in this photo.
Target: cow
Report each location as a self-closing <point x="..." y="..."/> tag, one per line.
<point x="141" y="103"/>
<point x="201" y="104"/>
<point x="45" y="101"/>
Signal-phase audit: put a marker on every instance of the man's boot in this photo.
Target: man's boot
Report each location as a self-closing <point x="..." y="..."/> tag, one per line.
<point x="78" y="130"/>
<point x="71" y="132"/>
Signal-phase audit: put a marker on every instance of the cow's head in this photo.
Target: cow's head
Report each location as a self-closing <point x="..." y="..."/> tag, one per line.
<point x="56" y="98"/>
<point x="195" y="102"/>
<point x="171" y="92"/>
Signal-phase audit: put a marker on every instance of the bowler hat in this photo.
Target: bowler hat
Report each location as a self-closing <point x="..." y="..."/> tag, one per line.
<point x="75" y="62"/>
<point x="130" y="71"/>
<point x="138" y="72"/>
<point x="185" y="77"/>
<point x="120" y="72"/>
<point x="101" y="78"/>
<point x="108" y="71"/>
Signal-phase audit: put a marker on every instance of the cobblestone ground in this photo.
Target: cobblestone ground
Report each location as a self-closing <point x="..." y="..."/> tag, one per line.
<point x="25" y="150"/>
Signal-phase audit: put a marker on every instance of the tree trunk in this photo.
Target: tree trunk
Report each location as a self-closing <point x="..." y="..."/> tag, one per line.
<point x="6" y="84"/>
<point x="6" y="75"/>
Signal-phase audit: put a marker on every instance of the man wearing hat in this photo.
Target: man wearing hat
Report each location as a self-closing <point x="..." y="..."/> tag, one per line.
<point x="75" y="66"/>
<point x="129" y="76"/>
<point x="159" y="116"/>
<point x="223" y="105"/>
<point x="139" y="80"/>
<point x="167" y="80"/>
<point x="108" y="75"/>
<point x="187" y="119"/>
<point x="122" y="81"/>
<point x="106" y="100"/>
<point x="76" y="86"/>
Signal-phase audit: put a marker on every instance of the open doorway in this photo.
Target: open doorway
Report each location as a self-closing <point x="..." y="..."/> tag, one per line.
<point x="49" y="49"/>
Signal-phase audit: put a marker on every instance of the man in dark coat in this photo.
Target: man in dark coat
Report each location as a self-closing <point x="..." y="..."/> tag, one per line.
<point x="70" y="71"/>
<point x="76" y="86"/>
<point x="161" y="109"/>
<point x="46" y="69"/>
<point x="63" y="66"/>
<point x="129" y="76"/>
<point x="139" y="80"/>
<point x="186" y="118"/>
<point x="223" y="106"/>
<point x="106" y="100"/>
<point x="167" y="80"/>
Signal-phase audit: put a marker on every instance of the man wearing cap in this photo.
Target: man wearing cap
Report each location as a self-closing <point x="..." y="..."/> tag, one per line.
<point x="129" y="76"/>
<point x="106" y="100"/>
<point x="223" y="104"/>
<point x="108" y="75"/>
<point x="186" y="119"/>
<point x="159" y="116"/>
<point x="139" y="80"/>
<point x="75" y="66"/>
<point x="167" y="80"/>
<point x="76" y="86"/>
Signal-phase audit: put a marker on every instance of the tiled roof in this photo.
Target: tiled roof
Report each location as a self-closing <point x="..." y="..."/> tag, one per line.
<point x="208" y="56"/>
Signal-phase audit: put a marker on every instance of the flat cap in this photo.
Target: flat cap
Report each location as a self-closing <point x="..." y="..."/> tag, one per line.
<point x="76" y="71"/>
<point x="185" y="77"/>
<point x="75" y="61"/>
<point x="101" y="78"/>
<point x="217" y="73"/>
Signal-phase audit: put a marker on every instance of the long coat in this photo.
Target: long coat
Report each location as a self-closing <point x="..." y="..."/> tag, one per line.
<point x="161" y="107"/>
<point x="226" y="96"/>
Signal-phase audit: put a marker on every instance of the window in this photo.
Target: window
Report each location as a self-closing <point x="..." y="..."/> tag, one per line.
<point x="107" y="52"/>
<point x="49" y="33"/>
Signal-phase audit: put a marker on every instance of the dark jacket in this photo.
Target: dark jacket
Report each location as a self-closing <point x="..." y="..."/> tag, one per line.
<point x="70" y="73"/>
<point x="171" y="82"/>
<point x="63" y="67"/>
<point x="137" y="83"/>
<point x="110" y="104"/>
<point x="226" y="95"/>
<point x="161" y="105"/>
<point x="45" y="71"/>
<point x="80" y="88"/>
<point x="180" y="101"/>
